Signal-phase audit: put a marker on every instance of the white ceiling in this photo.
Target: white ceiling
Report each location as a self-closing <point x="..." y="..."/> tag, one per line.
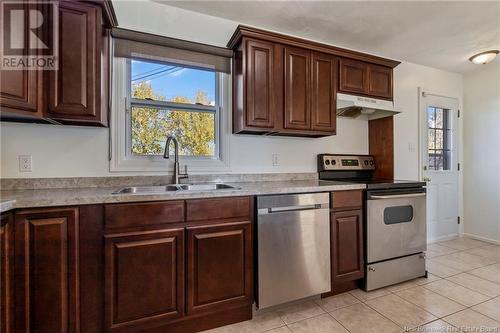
<point x="439" y="34"/>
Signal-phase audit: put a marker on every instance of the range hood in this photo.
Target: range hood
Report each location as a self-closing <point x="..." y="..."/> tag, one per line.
<point x="350" y="106"/>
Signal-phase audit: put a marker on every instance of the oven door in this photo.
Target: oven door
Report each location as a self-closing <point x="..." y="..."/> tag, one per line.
<point x="396" y="223"/>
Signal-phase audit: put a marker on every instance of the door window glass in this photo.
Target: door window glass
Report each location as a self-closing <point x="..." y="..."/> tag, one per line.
<point x="439" y="138"/>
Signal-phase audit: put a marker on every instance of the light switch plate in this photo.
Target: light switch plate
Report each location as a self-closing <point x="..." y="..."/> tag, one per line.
<point x="276" y="161"/>
<point x="25" y="163"/>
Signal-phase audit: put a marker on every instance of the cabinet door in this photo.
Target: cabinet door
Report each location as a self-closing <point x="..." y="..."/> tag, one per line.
<point x="46" y="269"/>
<point x="144" y="279"/>
<point x="347" y="246"/>
<point x="260" y="108"/>
<point x="353" y="76"/>
<point x="6" y="274"/>
<point x="75" y="88"/>
<point x="380" y="81"/>
<point x="297" y="88"/>
<point x="324" y="92"/>
<point x="219" y="266"/>
<point x="21" y="90"/>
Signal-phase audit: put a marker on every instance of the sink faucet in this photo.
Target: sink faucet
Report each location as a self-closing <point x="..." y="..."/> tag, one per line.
<point x="166" y="154"/>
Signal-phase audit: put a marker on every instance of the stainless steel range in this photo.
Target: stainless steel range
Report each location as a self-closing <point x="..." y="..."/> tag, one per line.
<point x="394" y="219"/>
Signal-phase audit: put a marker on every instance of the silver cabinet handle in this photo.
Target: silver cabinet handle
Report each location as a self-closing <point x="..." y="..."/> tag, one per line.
<point x="398" y="196"/>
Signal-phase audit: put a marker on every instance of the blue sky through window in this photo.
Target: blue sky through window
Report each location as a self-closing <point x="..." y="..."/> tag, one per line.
<point x="171" y="80"/>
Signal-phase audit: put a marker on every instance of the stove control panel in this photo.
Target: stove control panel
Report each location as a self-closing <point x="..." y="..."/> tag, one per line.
<point x="334" y="162"/>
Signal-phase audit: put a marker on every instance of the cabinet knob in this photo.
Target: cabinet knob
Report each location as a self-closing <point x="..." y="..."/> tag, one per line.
<point x="371" y="269"/>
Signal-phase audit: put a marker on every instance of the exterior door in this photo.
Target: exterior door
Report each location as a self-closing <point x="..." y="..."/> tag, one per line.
<point x="440" y="164"/>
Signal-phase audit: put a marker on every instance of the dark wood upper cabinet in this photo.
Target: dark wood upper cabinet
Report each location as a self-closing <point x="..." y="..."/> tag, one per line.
<point x="77" y="91"/>
<point x="379" y="81"/>
<point x="366" y="79"/>
<point x="323" y="92"/>
<point x="297" y="88"/>
<point x="353" y="76"/>
<point x="144" y="279"/>
<point x="219" y="267"/>
<point x="6" y="273"/>
<point x="47" y="287"/>
<point x="74" y="90"/>
<point x="260" y="84"/>
<point x="21" y="91"/>
<point x="283" y="85"/>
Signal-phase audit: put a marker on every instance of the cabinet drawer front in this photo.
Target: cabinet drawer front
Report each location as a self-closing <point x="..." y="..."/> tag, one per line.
<point x="143" y="214"/>
<point x="144" y="279"/>
<point x="217" y="209"/>
<point x="347" y="199"/>
<point x="219" y="266"/>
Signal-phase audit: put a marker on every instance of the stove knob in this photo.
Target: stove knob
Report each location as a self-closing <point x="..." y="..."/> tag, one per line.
<point x="327" y="162"/>
<point x="371" y="162"/>
<point x="334" y="162"/>
<point x="366" y="162"/>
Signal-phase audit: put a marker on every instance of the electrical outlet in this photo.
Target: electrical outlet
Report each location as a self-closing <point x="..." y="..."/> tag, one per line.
<point x="25" y="163"/>
<point x="276" y="161"/>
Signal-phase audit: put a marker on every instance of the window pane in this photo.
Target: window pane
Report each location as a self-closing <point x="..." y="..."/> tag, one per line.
<point x="439" y="118"/>
<point x="431" y="160"/>
<point x="447" y="160"/>
<point x="431" y="117"/>
<point x="195" y="131"/>
<point x="431" y="139"/>
<point x="439" y="139"/>
<point x="172" y="83"/>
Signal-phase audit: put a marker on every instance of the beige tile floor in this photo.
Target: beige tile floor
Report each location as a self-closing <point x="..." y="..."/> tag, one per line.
<point x="461" y="294"/>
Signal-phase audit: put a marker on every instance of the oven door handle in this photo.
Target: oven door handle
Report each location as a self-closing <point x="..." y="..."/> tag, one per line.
<point x="397" y="196"/>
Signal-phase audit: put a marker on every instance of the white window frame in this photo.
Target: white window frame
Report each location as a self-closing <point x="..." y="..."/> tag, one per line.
<point x="121" y="157"/>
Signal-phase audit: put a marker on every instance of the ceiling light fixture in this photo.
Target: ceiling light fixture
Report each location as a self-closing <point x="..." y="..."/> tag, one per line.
<point x="484" y="57"/>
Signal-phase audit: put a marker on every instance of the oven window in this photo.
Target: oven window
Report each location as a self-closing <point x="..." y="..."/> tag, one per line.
<point x="398" y="214"/>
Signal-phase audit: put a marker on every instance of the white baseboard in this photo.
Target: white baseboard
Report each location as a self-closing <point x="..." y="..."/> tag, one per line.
<point x="442" y="238"/>
<point x="484" y="239"/>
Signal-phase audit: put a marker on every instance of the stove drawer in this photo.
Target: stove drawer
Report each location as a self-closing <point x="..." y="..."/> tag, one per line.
<point x="394" y="271"/>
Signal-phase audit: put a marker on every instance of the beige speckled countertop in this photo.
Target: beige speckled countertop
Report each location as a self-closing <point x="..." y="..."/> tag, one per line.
<point x="11" y="199"/>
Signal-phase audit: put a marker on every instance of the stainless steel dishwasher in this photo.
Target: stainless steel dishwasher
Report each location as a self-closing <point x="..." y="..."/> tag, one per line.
<point x="293" y="247"/>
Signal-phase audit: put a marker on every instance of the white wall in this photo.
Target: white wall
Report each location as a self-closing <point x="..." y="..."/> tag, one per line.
<point x="75" y="151"/>
<point x="482" y="152"/>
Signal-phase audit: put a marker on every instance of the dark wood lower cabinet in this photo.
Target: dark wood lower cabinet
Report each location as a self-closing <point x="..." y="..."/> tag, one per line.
<point x="219" y="267"/>
<point x="346" y="238"/>
<point x="347" y="250"/>
<point x="144" y="279"/>
<point x="67" y="269"/>
<point x="47" y="283"/>
<point x="6" y="274"/>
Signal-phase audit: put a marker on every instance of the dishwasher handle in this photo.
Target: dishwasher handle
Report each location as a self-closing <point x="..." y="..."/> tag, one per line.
<point x="271" y="210"/>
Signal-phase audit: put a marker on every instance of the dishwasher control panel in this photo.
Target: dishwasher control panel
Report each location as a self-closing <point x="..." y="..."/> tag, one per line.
<point x="327" y="162"/>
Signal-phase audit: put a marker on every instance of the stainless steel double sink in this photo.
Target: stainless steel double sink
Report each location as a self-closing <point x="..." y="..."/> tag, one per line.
<point x="173" y="188"/>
